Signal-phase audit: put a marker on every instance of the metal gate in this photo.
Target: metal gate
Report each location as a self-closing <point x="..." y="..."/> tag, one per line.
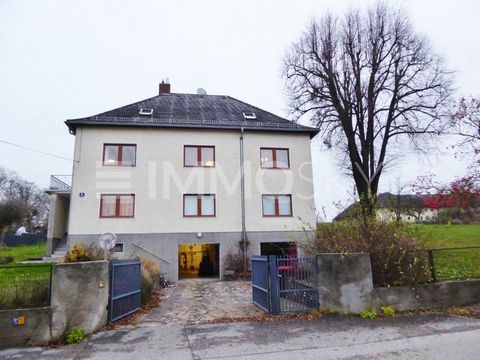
<point x="285" y="284"/>
<point x="125" y="293"/>
<point x="297" y="278"/>
<point x="261" y="282"/>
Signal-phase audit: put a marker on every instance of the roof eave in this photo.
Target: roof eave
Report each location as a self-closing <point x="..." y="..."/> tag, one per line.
<point x="72" y="125"/>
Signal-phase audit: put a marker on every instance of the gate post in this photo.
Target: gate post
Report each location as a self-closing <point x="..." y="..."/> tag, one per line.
<point x="273" y="280"/>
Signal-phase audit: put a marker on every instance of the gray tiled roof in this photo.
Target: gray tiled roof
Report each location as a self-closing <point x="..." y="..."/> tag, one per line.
<point x="192" y="111"/>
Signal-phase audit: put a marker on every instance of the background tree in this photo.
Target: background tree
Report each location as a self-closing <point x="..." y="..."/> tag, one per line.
<point x="16" y="192"/>
<point x="458" y="199"/>
<point x="368" y="80"/>
<point x="11" y="211"/>
<point x="466" y="124"/>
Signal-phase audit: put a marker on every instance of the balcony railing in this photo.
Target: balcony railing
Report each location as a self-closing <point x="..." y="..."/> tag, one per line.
<point x="60" y="182"/>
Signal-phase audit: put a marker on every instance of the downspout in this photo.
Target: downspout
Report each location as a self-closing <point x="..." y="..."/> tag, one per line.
<point x="242" y="191"/>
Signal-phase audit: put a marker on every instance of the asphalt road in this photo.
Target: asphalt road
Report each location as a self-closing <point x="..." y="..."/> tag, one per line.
<point x="426" y="336"/>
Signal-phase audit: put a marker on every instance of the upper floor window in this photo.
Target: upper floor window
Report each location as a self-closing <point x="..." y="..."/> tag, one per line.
<point x="277" y="205"/>
<point x="194" y="155"/>
<point x="272" y="158"/>
<point x="198" y="205"/>
<point x="119" y="154"/>
<point x="113" y="205"/>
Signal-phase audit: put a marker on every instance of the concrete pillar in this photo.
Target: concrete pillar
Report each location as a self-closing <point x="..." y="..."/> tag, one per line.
<point x="344" y="282"/>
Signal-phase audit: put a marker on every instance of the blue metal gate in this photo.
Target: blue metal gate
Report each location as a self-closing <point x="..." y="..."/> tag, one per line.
<point x="285" y="284"/>
<point x="125" y="293"/>
<point x="261" y="282"/>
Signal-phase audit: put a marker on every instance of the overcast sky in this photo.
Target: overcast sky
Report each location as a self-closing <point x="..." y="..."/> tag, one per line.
<point x="69" y="59"/>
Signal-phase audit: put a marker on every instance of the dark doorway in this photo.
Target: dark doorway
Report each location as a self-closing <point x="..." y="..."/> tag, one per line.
<point x="198" y="260"/>
<point x="278" y="248"/>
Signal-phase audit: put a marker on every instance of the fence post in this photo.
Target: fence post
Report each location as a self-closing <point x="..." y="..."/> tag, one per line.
<point x="273" y="280"/>
<point x="432" y="265"/>
<point x="50" y="286"/>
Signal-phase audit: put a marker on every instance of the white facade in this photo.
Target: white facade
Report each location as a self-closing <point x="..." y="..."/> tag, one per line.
<point x="159" y="180"/>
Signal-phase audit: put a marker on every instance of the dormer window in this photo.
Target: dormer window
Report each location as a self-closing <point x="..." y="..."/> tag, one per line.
<point x="144" y="111"/>
<point x="249" y="116"/>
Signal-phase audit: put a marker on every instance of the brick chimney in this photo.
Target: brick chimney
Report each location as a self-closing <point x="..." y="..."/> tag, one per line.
<point x="164" y="87"/>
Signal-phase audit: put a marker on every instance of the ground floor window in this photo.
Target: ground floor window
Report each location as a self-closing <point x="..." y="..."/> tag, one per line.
<point x="118" y="205"/>
<point x="195" y="205"/>
<point x="277" y="205"/>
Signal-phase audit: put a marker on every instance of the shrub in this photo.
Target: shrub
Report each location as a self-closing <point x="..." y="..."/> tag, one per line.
<point x="81" y="252"/>
<point x="388" y="310"/>
<point x="368" y="314"/>
<point x="150" y="270"/>
<point x="150" y="279"/>
<point x="234" y="261"/>
<point x="146" y="288"/>
<point x="391" y="246"/>
<point x="75" y="336"/>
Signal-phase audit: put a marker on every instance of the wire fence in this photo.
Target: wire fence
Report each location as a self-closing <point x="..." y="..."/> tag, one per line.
<point x="25" y="286"/>
<point x="425" y="266"/>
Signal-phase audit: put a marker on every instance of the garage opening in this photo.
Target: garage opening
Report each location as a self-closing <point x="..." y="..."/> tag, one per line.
<point x="198" y="260"/>
<point x="278" y="248"/>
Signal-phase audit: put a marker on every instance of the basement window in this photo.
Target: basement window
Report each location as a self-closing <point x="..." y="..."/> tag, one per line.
<point x="249" y="116"/>
<point x="118" y="248"/>
<point x="144" y="111"/>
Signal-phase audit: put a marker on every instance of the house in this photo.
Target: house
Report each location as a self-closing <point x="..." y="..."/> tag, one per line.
<point x="187" y="180"/>
<point x="407" y="208"/>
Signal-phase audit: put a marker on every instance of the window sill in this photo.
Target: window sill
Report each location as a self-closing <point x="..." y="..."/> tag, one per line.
<point x="116" y="217"/>
<point x="199" y="216"/>
<point x="273" y="168"/>
<point x="277" y="216"/>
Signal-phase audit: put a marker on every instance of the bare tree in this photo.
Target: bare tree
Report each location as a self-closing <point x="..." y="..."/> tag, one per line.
<point x="33" y="200"/>
<point x="368" y="80"/>
<point x="466" y="123"/>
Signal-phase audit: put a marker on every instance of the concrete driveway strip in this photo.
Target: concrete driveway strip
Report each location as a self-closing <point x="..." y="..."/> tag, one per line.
<point x="330" y="337"/>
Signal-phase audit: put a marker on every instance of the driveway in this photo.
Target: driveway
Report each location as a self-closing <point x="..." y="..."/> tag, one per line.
<point x="425" y="336"/>
<point x="197" y="301"/>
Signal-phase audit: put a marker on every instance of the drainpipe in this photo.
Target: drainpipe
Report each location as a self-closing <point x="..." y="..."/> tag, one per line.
<point x="242" y="190"/>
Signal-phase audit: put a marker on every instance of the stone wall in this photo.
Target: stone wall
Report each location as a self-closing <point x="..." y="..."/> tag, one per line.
<point x="345" y="284"/>
<point x="79" y="299"/>
<point x="452" y="293"/>
<point x="35" y="330"/>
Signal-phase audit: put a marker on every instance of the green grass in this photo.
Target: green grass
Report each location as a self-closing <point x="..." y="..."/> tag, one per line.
<point x="439" y="236"/>
<point x="451" y="264"/>
<point x="23" y="252"/>
<point x="24" y="285"/>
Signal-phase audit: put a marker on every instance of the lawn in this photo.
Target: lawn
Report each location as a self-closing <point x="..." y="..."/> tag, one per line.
<point x="451" y="264"/>
<point x="440" y="236"/>
<point x="24" y="285"/>
<point x="23" y="252"/>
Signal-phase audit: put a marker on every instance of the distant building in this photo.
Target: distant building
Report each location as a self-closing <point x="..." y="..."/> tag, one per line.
<point x="406" y="208"/>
